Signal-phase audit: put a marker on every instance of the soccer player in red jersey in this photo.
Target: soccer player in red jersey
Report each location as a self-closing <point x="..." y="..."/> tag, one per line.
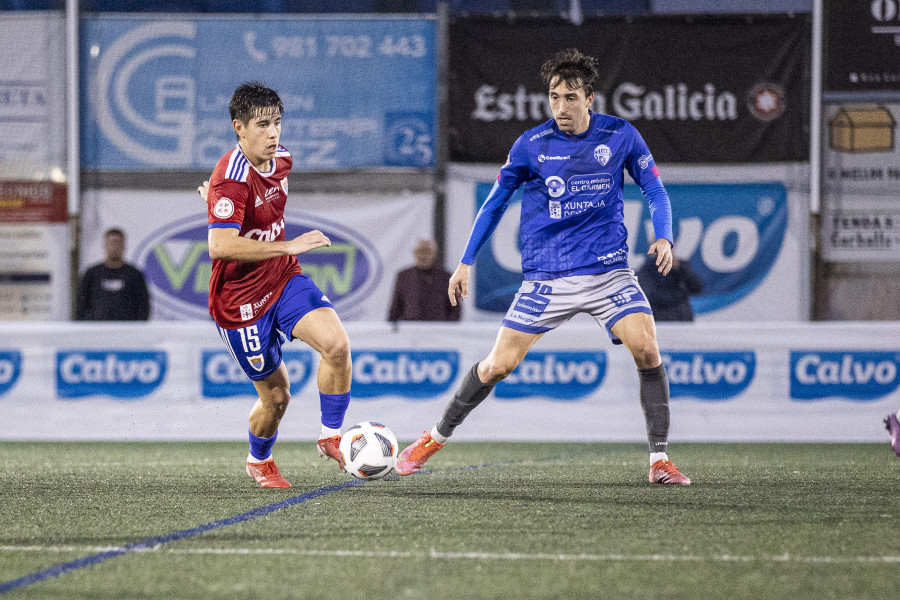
<point x="258" y="296"/>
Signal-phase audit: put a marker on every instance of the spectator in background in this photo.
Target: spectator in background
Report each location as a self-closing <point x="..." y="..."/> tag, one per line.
<point x="420" y="292"/>
<point x="670" y="296"/>
<point x="113" y="290"/>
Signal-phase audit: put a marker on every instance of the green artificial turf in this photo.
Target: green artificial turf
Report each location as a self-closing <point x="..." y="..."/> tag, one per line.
<point x="487" y="520"/>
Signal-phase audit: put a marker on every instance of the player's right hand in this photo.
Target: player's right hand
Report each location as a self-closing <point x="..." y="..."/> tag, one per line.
<point x="459" y="284"/>
<point x="309" y="241"/>
<point x="203" y="190"/>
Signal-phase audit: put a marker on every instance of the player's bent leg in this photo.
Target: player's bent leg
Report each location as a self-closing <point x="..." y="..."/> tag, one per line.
<point x="323" y="331"/>
<point x="638" y="333"/>
<point x="274" y="396"/>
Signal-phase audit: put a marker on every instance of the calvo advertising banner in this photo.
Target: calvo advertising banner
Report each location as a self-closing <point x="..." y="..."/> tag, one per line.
<point x="722" y="89"/>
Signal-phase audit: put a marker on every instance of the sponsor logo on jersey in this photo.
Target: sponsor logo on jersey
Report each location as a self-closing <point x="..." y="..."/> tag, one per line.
<point x="709" y="375"/>
<point x="557" y="375"/>
<point x="556" y="187"/>
<point x="223" y="377"/>
<point x="123" y="374"/>
<point x="257" y="202"/>
<point x="858" y="376"/>
<point x="10" y="369"/>
<point x="415" y="374"/>
<point x="602" y="154"/>
<point x="273" y="193"/>
<point x="644" y="161"/>
<point x="544" y="157"/>
<point x="540" y="134"/>
<point x="597" y="184"/>
<point x="246" y="312"/>
<point x="175" y="261"/>
<point x="224" y="208"/>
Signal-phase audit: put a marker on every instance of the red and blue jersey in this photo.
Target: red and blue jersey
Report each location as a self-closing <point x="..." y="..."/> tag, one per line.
<point x="252" y="201"/>
<point x="573" y="212"/>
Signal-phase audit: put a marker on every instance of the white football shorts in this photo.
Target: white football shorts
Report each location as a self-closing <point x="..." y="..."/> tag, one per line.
<point x="540" y="306"/>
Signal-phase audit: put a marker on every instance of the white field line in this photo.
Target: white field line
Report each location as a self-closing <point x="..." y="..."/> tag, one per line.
<point x="487" y="556"/>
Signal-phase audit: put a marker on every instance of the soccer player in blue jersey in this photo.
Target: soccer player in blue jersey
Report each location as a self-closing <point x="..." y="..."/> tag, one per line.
<point x="574" y="252"/>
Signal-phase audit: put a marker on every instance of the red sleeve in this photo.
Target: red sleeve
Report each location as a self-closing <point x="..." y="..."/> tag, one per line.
<point x="226" y="202"/>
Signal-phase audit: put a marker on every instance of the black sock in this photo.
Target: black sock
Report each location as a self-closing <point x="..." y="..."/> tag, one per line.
<point x="467" y="397"/>
<point x="655" y="402"/>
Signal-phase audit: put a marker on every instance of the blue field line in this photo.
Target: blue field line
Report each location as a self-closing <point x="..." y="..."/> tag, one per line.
<point x="148" y="543"/>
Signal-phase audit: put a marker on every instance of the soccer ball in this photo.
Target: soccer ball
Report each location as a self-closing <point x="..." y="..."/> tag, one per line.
<point x="369" y="450"/>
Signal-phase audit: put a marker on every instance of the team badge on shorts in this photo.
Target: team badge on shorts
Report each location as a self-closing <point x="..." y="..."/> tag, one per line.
<point x="258" y="362"/>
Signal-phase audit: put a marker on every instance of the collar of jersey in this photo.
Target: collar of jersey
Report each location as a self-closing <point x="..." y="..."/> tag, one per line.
<point x="268" y="173"/>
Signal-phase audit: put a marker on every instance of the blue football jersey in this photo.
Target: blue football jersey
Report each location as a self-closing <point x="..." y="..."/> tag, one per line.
<point x="572" y="208"/>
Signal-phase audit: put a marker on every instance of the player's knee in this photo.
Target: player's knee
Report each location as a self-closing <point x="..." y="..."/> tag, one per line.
<point x="646" y="354"/>
<point x="278" y="401"/>
<point x="492" y="371"/>
<point x="337" y="351"/>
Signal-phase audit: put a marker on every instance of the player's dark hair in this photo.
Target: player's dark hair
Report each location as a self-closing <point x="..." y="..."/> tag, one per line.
<point x="251" y="98"/>
<point x="577" y="70"/>
<point x="113" y="231"/>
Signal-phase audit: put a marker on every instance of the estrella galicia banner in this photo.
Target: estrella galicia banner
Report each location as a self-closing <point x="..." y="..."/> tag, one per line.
<point x="862" y="45"/>
<point x="357" y="92"/>
<point x="732" y="235"/>
<point x="717" y="89"/>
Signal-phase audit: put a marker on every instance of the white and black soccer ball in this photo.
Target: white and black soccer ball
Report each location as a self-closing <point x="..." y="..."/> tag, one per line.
<point x="369" y="450"/>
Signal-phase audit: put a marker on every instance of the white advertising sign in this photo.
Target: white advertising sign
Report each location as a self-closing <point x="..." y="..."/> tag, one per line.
<point x="32" y="95"/>
<point x="372" y="237"/>
<point x="758" y="381"/>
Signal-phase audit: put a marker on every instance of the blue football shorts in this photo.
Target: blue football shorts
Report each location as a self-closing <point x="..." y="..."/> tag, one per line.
<point x="257" y="348"/>
<point x="540" y="306"/>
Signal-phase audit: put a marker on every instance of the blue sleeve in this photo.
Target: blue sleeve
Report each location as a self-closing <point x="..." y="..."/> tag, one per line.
<point x="486" y="221"/>
<point x="512" y="175"/>
<point x="660" y="209"/>
<point x="643" y="170"/>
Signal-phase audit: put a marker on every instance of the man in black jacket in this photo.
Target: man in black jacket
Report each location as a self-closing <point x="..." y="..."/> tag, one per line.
<point x="670" y="296"/>
<point x="113" y="290"/>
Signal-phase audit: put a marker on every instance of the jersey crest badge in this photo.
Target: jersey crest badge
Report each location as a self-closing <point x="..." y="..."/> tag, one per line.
<point x="602" y="153"/>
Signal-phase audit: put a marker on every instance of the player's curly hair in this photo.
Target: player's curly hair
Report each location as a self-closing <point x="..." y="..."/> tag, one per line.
<point x="251" y="98"/>
<point x="577" y="70"/>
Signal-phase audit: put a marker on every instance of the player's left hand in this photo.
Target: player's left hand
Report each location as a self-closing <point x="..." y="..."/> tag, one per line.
<point x="662" y="248"/>
<point x="203" y="190"/>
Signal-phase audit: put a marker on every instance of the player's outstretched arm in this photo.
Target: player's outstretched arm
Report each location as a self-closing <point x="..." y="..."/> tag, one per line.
<point x="662" y="248"/>
<point x="459" y="284"/>
<point x="226" y="244"/>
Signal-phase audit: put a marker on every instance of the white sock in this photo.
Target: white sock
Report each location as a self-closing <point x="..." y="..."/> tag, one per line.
<point x="440" y="439"/>
<point x="254" y="460"/>
<point x="328" y="432"/>
<point x="655" y="456"/>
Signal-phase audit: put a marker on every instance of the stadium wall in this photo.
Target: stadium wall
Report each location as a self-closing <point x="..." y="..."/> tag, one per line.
<point x="757" y="381"/>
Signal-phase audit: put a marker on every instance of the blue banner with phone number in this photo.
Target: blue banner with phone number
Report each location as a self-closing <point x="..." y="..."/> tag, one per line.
<point x="357" y="92"/>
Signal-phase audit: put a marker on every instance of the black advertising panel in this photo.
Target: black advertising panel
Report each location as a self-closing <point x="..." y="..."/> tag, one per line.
<point x="862" y="45"/>
<point x="699" y="90"/>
